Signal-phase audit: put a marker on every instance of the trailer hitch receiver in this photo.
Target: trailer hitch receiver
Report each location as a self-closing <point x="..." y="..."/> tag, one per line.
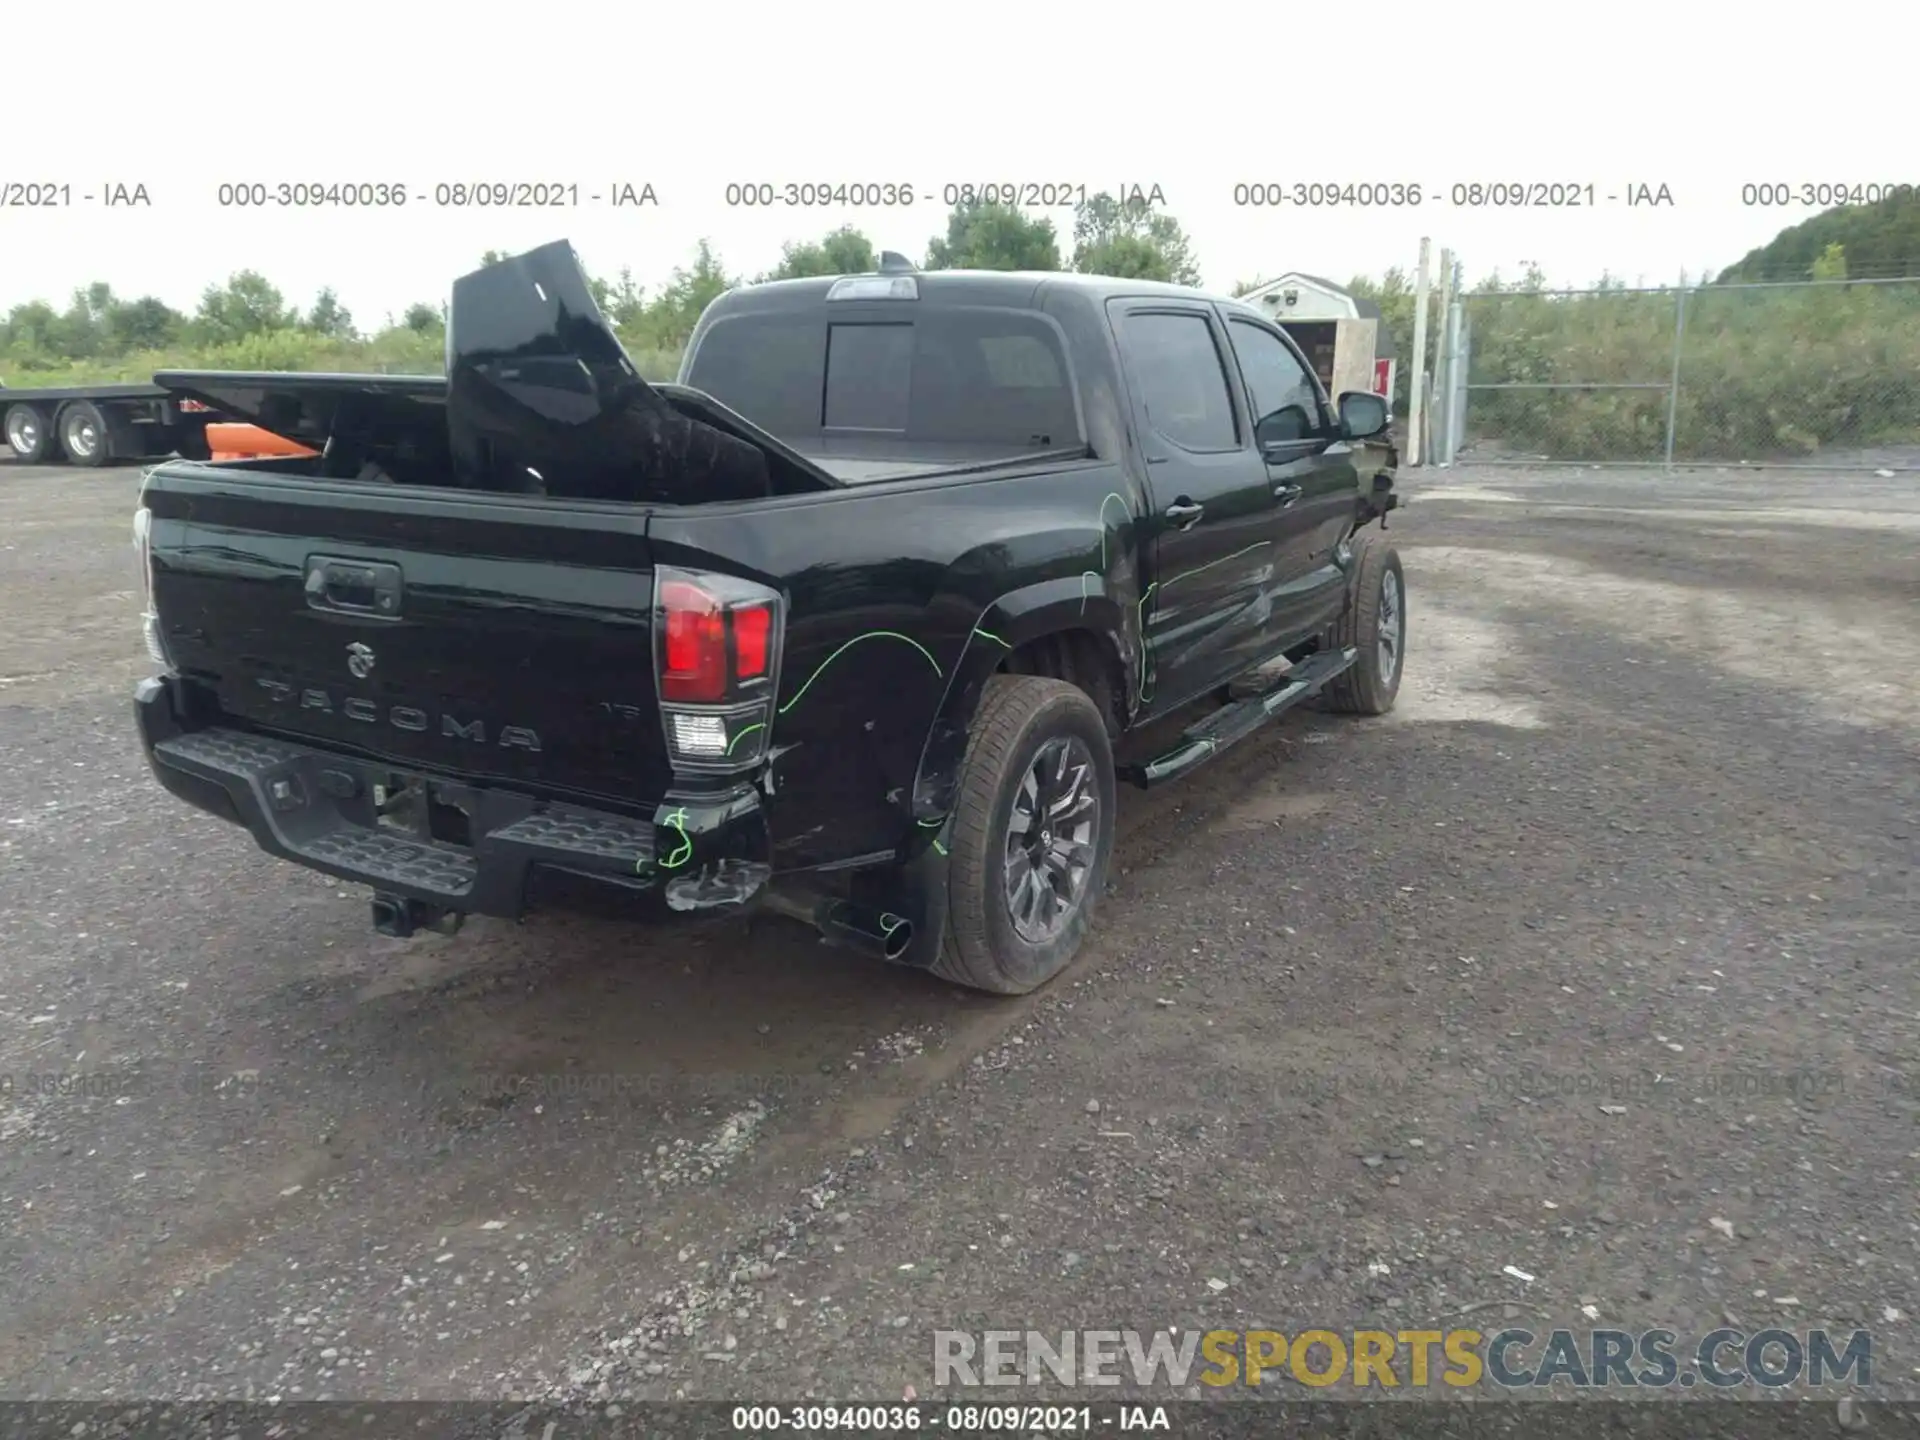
<point x="401" y="916"/>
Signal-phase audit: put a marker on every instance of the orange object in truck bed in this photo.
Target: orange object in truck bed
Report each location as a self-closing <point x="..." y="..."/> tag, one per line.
<point x="249" y="442"/>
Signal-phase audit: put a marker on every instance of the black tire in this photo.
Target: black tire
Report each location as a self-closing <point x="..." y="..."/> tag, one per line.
<point x="1376" y="610"/>
<point x="83" y="434"/>
<point x="193" y="443"/>
<point x="28" y="433"/>
<point x="1022" y="719"/>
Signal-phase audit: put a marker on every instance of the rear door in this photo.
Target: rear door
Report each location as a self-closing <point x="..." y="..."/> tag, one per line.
<point x="1310" y="472"/>
<point x="1205" y="612"/>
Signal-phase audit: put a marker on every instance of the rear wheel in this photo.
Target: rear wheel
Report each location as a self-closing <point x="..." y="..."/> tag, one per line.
<point x="1030" y="838"/>
<point x="83" y="434"/>
<point x="1376" y="625"/>
<point x="28" y="433"/>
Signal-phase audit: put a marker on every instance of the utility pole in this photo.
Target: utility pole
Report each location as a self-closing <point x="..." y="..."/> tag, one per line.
<point x="1437" y="423"/>
<point x="1417" y="381"/>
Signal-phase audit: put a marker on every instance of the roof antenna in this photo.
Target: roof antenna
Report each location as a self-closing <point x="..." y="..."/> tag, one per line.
<point x="892" y="262"/>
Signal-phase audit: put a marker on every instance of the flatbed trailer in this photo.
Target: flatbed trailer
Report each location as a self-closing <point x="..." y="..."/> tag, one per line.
<point x="96" y="424"/>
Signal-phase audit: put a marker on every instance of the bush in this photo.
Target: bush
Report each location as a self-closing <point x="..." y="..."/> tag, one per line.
<point x="1763" y="372"/>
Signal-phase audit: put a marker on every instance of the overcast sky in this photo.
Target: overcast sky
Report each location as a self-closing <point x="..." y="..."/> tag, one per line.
<point x="690" y="98"/>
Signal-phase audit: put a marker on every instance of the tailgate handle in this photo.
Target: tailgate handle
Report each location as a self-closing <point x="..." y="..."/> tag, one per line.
<point x="353" y="587"/>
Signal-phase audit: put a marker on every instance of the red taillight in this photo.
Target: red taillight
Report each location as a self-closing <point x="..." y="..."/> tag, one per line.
<point x="694" y="654"/>
<point x="752" y="634"/>
<point x="717" y="645"/>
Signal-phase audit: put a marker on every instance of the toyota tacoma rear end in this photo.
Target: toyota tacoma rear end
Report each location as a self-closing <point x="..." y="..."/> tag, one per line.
<point x="403" y="661"/>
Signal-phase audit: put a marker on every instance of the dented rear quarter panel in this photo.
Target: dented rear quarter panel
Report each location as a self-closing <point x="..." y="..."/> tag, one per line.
<point x="903" y="598"/>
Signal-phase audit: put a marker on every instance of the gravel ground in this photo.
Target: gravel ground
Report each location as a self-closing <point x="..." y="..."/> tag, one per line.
<point x="1594" y="960"/>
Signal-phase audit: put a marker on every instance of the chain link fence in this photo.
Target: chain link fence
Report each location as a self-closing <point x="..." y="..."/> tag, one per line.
<point x="1816" y="373"/>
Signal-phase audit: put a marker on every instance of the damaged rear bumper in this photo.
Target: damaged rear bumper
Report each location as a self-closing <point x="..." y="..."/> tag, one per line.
<point x="321" y="810"/>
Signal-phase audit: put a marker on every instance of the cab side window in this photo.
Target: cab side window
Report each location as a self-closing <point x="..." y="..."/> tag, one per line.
<point x="1286" y="405"/>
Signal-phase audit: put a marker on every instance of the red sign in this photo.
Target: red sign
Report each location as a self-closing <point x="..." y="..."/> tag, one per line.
<point x="1383" y="378"/>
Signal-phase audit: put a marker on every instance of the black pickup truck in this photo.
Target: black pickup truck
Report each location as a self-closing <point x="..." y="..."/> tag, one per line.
<point x="860" y="622"/>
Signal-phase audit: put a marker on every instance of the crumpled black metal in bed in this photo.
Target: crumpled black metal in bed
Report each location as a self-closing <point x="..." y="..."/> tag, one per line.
<point x="542" y="398"/>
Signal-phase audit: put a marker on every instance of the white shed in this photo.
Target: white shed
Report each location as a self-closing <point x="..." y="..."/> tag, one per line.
<point x="1340" y="332"/>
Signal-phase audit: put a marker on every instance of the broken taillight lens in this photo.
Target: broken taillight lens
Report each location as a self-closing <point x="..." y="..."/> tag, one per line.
<point x="718" y="655"/>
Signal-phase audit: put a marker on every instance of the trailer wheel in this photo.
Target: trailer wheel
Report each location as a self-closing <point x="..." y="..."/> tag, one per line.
<point x="83" y="434"/>
<point x="1030" y="836"/>
<point x="193" y="442"/>
<point x="28" y="433"/>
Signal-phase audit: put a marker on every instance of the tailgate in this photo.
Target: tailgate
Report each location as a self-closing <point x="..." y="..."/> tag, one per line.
<point x="475" y="635"/>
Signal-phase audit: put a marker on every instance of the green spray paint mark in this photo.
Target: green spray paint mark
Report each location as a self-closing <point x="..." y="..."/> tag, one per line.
<point x="870" y="635"/>
<point x="991" y="636"/>
<point x="1126" y="512"/>
<point x="743" y="735"/>
<point x="1248" y="550"/>
<point x="939" y="847"/>
<point x="677" y="821"/>
<point x="1086" y="575"/>
<point x="1146" y="661"/>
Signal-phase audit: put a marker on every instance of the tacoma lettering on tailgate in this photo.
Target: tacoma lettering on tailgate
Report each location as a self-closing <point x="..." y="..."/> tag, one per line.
<point x="401" y="717"/>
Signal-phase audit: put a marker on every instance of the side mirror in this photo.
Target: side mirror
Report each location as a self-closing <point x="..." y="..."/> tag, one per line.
<point x="1362" y="415"/>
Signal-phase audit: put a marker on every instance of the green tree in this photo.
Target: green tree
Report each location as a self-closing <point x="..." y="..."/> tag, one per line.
<point x="33" y="328"/>
<point x="1132" y="239"/>
<point x="1881" y="241"/>
<point x="145" y="324"/>
<point x="984" y="236"/>
<point x="248" y="304"/>
<point x="670" y="316"/>
<point x="622" y="301"/>
<point x="423" y="319"/>
<point x="841" y="252"/>
<point x="330" y="318"/>
<point x="1830" y="264"/>
<point x="84" y="330"/>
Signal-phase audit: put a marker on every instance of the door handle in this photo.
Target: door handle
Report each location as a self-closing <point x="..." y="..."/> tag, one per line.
<point x="1184" y="513"/>
<point x="1286" y="494"/>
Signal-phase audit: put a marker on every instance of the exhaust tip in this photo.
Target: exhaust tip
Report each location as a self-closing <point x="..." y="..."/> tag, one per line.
<point x="896" y="935"/>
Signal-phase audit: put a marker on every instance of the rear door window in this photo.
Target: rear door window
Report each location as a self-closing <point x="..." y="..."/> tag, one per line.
<point x="1182" y="379"/>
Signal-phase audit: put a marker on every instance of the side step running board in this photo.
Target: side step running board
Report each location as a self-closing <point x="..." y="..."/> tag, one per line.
<point x="1236" y="721"/>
